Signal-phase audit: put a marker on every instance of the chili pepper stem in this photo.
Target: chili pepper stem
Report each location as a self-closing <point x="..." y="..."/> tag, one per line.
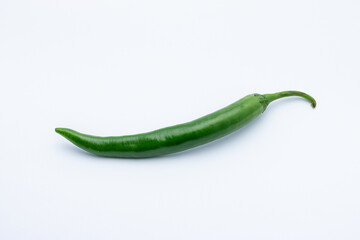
<point x="274" y="96"/>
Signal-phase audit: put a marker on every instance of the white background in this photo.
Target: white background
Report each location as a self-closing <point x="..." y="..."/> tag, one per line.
<point x="124" y="67"/>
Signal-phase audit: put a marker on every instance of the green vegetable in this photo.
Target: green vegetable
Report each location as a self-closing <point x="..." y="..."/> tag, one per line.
<point x="183" y="136"/>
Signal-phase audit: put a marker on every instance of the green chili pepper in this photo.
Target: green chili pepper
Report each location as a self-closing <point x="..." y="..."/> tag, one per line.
<point x="183" y="136"/>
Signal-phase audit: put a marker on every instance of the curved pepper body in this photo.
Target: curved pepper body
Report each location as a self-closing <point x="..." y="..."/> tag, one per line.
<point x="178" y="137"/>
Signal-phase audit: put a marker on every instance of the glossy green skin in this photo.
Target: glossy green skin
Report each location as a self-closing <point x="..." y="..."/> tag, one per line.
<point x="179" y="137"/>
